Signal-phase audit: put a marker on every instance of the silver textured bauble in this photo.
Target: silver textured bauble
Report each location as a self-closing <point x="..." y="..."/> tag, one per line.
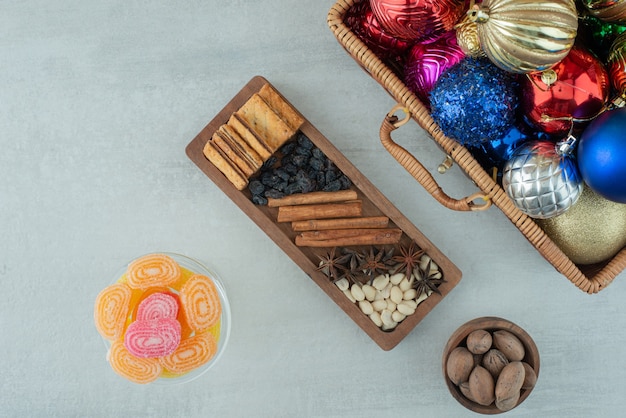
<point x="541" y="180"/>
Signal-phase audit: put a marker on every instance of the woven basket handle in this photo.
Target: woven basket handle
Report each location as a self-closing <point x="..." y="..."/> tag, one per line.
<point x="419" y="172"/>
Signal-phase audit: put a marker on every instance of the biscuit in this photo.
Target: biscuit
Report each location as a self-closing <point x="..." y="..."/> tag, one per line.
<point x="241" y="127"/>
<point x="281" y="107"/>
<point x="248" y="153"/>
<point x="230" y="151"/>
<point x="219" y="160"/>
<point x="264" y="121"/>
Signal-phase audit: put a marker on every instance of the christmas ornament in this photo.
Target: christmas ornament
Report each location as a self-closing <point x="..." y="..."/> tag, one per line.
<point x="521" y="36"/>
<point x="592" y="231"/>
<point x="417" y="20"/>
<point x="363" y="23"/>
<point x="467" y="38"/>
<point x="541" y="179"/>
<point x="598" y="35"/>
<point x="426" y="62"/>
<point x="607" y="10"/>
<point x="575" y="89"/>
<point x="616" y="64"/>
<point x="602" y="155"/>
<point x="474" y="101"/>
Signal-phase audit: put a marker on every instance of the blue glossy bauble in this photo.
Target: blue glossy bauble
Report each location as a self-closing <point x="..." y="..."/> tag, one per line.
<point x="602" y="155"/>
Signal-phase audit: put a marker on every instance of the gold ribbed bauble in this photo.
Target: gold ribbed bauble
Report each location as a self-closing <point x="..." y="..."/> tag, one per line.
<point x="591" y="231"/>
<point x="467" y="38"/>
<point x="522" y="36"/>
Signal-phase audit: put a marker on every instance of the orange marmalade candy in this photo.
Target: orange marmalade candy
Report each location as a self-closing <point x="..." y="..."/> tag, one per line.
<point x="138" y="370"/>
<point x="201" y="302"/>
<point x="111" y="309"/>
<point x="152" y="270"/>
<point x="192" y="353"/>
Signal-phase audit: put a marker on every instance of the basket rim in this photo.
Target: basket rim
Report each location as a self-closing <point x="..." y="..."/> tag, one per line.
<point x="383" y="74"/>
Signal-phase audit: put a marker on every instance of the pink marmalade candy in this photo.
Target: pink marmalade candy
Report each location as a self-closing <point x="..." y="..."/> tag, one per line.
<point x="153" y="338"/>
<point x="157" y="306"/>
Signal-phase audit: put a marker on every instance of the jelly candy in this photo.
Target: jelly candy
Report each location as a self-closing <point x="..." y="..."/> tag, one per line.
<point x="111" y="310"/>
<point x="152" y="338"/>
<point x="201" y="302"/>
<point x="138" y="370"/>
<point x="192" y="353"/>
<point x="152" y="270"/>
<point x="156" y="306"/>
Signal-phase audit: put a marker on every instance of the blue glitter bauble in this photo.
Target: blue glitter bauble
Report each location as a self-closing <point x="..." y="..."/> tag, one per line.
<point x="602" y="153"/>
<point x="474" y="101"/>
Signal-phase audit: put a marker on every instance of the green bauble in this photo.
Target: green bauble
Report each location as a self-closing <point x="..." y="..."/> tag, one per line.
<point x="598" y="35"/>
<point x="591" y="231"/>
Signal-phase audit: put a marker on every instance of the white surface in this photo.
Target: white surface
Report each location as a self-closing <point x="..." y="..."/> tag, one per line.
<point x="99" y="100"/>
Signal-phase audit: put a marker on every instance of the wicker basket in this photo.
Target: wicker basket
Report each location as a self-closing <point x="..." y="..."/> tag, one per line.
<point x="588" y="278"/>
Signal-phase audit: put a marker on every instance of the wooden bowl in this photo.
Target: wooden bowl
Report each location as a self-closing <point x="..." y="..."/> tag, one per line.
<point x="458" y="338"/>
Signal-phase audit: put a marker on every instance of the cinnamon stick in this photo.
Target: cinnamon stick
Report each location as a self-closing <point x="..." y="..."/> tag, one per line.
<point x="322" y="211"/>
<point x="313" y="198"/>
<point x="348" y="237"/>
<point x="341" y="223"/>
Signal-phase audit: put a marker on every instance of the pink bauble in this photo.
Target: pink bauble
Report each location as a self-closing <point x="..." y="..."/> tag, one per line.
<point x="417" y="20"/>
<point x="573" y="91"/>
<point x="426" y="62"/>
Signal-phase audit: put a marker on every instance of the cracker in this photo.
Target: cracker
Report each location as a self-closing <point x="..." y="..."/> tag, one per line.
<point x="281" y="107"/>
<point x="219" y="160"/>
<point x="264" y="121"/>
<point x="221" y="142"/>
<point x="248" y="152"/>
<point x="243" y="130"/>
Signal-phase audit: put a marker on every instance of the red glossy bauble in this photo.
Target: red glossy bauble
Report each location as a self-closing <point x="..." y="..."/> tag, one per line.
<point x="575" y="89"/>
<point x="364" y="24"/>
<point x="417" y="20"/>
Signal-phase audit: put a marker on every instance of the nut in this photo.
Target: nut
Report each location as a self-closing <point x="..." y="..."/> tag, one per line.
<point x="482" y="386"/>
<point x="530" y="377"/>
<point x="494" y="361"/>
<point x="509" y="345"/>
<point x="459" y="365"/>
<point x="479" y="341"/>
<point x="509" y="384"/>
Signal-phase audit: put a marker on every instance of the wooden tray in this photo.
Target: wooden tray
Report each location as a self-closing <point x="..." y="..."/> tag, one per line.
<point x="374" y="204"/>
<point x="588" y="278"/>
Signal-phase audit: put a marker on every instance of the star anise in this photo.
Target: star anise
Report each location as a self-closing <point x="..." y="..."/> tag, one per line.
<point x="351" y="261"/>
<point x="375" y="261"/>
<point x="331" y="265"/>
<point x="427" y="281"/>
<point x="408" y="259"/>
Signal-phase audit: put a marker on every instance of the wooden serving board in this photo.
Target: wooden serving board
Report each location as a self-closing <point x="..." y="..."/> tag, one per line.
<point x="374" y="204"/>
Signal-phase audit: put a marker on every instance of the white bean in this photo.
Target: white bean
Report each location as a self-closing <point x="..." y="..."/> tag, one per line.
<point x="397" y="316"/>
<point x="396" y="294"/>
<point x="375" y="317"/>
<point x="381" y="281"/>
<point x="405" y="284"/>
<point x="366" y="307"/>
<point x="391" y="305"/>
<point x="357" y="292"/>
<point x="343" y="284"/>
<point x="369" y="292"/>
<point x="389" y="327"/>
<point x="409" y="294"/>
<point x="348" y="294"/>
<point x="410" y="303"/>
<point x="386" y="291"/>
<point x="379" y="305"/>
<point x="405" y="309"/>
<point x="396" y="278"/>
<point x="385" y="316"/>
